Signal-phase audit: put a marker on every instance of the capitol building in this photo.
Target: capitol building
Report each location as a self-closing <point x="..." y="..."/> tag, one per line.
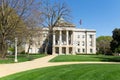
<point x="66" y="39"/>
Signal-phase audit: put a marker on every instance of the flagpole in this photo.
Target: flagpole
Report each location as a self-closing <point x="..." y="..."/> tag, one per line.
<point x="80" y="23"/>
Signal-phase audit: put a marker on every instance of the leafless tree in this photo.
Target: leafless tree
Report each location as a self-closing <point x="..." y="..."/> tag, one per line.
<point x="34" y="28"/>
<point x="52" y="13"/>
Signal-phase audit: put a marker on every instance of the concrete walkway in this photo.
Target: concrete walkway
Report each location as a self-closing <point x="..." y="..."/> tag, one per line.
<point x="7" y="69"/>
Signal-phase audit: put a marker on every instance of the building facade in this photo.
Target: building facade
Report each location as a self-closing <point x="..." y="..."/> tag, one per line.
<point x="74" y="41"/>
<point x="67" y="40"/>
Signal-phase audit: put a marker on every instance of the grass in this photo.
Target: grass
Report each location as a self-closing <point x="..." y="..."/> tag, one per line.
<point x="70" y="72"/>
<point x="21" y="58"/>
<point x="82" y="58"/>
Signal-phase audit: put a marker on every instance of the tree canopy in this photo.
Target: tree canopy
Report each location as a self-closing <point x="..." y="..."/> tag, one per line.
<point x="103" y="44"/>
<point x="12" y="16"/>
<point x="115" y="43"/>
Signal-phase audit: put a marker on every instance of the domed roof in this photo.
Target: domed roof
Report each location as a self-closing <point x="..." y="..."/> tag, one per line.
<point x="63" y="23"/>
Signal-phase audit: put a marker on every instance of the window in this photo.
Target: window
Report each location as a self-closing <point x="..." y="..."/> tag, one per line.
<point x="83" y="36"/>
<point x="83" y="43"/>
<point x="91" y="36"/>
<point x="83" y="50"/>
<point x="78" y="50"/>
<point x="78" y="36"/>
<point x="91" y="50"/>
<point x="78" y="43"/>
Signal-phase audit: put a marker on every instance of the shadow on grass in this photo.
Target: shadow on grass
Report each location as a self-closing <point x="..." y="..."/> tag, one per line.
<point x="109" y="58"/>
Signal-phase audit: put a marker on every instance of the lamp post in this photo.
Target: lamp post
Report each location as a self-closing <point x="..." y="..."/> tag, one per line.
<point x="16" y="50"/>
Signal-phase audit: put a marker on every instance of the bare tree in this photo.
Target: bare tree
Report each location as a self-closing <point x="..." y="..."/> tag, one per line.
<point x="34" y="27"/>
<point x="9" y="23"/>
<point x="52" y="13"/>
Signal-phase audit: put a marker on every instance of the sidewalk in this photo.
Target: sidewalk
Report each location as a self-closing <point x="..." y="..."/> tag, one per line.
<point x="7" y="69"/>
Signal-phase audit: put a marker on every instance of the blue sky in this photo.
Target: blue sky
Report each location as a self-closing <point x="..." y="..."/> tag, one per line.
<point x="101" y="15"/>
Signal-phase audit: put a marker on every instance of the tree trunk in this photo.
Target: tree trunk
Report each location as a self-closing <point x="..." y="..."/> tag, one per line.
<point x="4" y="49"/>
<point x="28" y="48"/>
<point x="48" y="47"/>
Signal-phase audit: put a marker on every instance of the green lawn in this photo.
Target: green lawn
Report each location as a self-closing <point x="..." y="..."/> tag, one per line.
<point x="21" y="58"/>
<point x="71" y="72"/>
<point x="69" y="58"/>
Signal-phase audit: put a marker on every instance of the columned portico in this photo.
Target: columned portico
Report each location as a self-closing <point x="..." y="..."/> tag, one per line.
<point x="69" y="40"/>
<point x="64" y="42"/>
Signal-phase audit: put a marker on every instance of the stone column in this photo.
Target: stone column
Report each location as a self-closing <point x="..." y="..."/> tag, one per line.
<point x="60" y="42"/>
<point x="54" y="38"/>
<point x="67" y="47"/>
<point x="67" y="37"/>
<point x="53" y="46"/>
<point x="74" y="46"/>
<point x="60" y="37"/>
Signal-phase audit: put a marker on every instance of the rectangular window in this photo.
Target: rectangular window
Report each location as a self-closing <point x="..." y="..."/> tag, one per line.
<point x="78" y="50"/>
<point x="83" y="36"/>
<point x="83" y="50"/>
<point x="91" y="50"/>
<point x="78" y="43"/>
<point x="78" y="36"/>
<point x="83" y="43"/>
<point x="91" y="36"/>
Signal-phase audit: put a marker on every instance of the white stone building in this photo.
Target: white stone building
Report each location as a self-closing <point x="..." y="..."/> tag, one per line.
<point x="67" y="40"/>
